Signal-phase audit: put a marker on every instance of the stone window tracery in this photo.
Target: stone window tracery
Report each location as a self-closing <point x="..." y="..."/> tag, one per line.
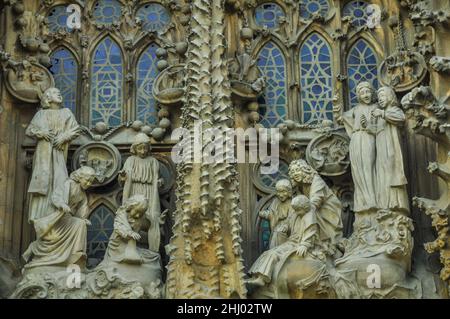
<point x="107" y="11"/>
<point x="309" y="8"/>
<point x="65" y="72"/>
<point x="153" y="16"/>
<point x="316" y="79"/>
<point x="57" y="19"/>
<point x="101" y="228"/>
<point x="106" y="84"/>
<point x="362" y="66"/>
<point x="268" y="15"/>
<point x="357" y="11"/>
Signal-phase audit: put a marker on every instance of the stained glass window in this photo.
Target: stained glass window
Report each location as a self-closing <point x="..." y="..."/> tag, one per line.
<point x="107" y="11"/>
<point x="273" y="102"/>
<point x="309" y="8"/>
<point x="106" y="84"/>
<point x="265" y="233"/>
<point x="146" y="74"/>
<point x="361" y="66"/>
<point x="268" y="15"/>
<point x="357" y="11"/>
<point x="153" y="16"/>
<point x="270" y="180"/>
<point x="65" y="72"/>
<point x="98" y="233"/>
<point x="57" y="19"/>
<point x="316" y="81"/>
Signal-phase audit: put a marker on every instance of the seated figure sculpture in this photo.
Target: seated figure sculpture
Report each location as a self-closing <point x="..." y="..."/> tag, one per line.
<point x="277" y="213"/>
<point x="288" y="270"/>
<point x="123" y="256"/>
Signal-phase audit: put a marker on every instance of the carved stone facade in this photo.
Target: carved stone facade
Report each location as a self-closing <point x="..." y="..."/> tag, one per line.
<point x="94" y="95"/>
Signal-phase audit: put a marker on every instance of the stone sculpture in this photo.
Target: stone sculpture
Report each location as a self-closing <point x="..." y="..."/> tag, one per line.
<point x="359" y="125"/>
<point x="54" y="128"/>
<point x="61" y="235"/>
<point x="277" y="213"/>
<point x="390" y="177"/>
<point x="324" y="202"/>
<point x="140" y="176"/>
<point x="122" y="255"/>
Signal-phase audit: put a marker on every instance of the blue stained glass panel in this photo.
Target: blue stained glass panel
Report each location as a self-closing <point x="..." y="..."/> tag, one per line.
<point x="106" y="84"/>
<point x="270" y="180"/>
<point x="361" y="66"/>
<point x="98" y="233"/>
<point x="146" y="74"/>
<point x="57" y="19"/>
<point x="107" y="11"/>
<point x="265" y="234"/>
<point x="272" y="64"/>
<point x="65" y="72"/>
<point x="308" y="8"/>
<point x="268" y="15"/>
<point x="154" y="16"/>
<point x="316" y="81"/>
<point x="357" y="11"/>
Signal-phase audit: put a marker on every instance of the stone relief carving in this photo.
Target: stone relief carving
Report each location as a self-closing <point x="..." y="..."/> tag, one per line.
<point x="25" y="80"/>
<point x="103" y="157"/>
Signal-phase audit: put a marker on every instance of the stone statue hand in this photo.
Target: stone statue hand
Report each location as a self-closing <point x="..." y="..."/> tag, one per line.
<point x="377" y="113"/>
<point x="59" y="141"/>
<point x="135" y="236"/>
<point x="87" y="221"/>
<point x="44" y="135"/>
<point x="301" y="250"/>
<point x="160" y="182"/>
<point x="65" y="208"/>
<point x="163" y="216"/>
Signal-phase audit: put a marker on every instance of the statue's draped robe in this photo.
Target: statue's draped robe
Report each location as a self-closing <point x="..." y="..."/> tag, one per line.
<point x="328" y="210"/>
<point x="142" y="179"/>
<point x="391" y="179"/>
<point x="49" y="163"/>
<point x="122" y="248"/>
<point x="277" y="214"/>
<point x="61" y="237"/>
<point x="362" y="156"/>
<point x="302" y="231"/>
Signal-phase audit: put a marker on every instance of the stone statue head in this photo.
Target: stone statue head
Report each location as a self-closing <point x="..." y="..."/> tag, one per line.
<point x="136" y="206"/>
<point x="300" y="172"/>
<point x="365" y="93"/>
<point x="51" y="98"/>
<point x="387" y="97"/>
<point x="141" y="145"/>
<point x="301" y="204"/>
<point x="284" y="189"/>
<point x="84" y="176"/>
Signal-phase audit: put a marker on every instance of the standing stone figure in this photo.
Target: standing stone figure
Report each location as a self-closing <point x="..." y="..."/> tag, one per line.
<point x="360" y="128"/>
<point x="140" y="175"/>
<point x="391" y="180"/>
<point x="54" y="128"/>
<point x="277" y="213"/>
<point x="61" y="235"/>
<point x="324" y="202"/>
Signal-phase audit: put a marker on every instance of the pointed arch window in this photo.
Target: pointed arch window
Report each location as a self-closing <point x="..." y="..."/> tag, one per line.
<point x="146" y="74"/>
<point x="361" y="66"/>
<point x="106" y="84"/>
<point x="65" y="72"/>
<point x="273" y="102"/>
<point x="316" y="80"/>
<point x="98" y="233"/>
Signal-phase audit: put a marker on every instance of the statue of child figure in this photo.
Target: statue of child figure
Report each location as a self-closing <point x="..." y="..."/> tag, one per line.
<point x="277" y="213"/>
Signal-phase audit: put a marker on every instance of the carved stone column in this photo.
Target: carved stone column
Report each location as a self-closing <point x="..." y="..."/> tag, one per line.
<point x="205" y="250"/>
